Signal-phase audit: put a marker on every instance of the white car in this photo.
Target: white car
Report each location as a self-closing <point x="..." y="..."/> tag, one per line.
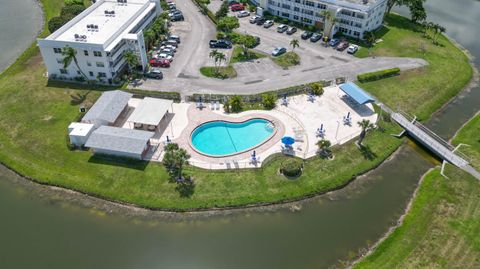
<point x="243" y="13"/>
<point x="253" y="19"/>
<point x="168" y="51"/>
<point x="165" y="56"/>
<point x="352" y="49"/>
<point x="169" y="47"/>
<point x="268" y="24"/>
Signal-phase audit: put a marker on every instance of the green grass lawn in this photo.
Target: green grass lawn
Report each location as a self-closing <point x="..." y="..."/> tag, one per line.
<point x="239" y="56"/>
<point x="467" y="136"/>
<point x="421" y="91"/>
<point x="287" y="60"/>
<point x="223" y="72"/>
<point x="442" y="229"/>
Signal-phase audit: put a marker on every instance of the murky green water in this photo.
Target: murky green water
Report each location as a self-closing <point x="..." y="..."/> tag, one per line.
<point x="38" y="231"/>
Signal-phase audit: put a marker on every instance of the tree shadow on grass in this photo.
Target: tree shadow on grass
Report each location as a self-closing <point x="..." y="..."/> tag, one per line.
<point x="118" y="161"/>
<point x="78" y="98"/>
<point x="367" y="153"/>
<point x="80" y="86"/>
<point x="186" y="187"/>
<point x="401" y="22"/>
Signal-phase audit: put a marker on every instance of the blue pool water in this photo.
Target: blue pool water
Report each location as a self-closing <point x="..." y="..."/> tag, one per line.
<point x="223" y="138"/>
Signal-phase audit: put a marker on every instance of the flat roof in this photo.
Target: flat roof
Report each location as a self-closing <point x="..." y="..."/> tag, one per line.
<point x="357" y="93"/>
<point x="108" y="26"/>
<point x="119" y="139"/>
<point x="108" y="107"/>
<point x="150" y="111"/>
<point x="80" y="129"/>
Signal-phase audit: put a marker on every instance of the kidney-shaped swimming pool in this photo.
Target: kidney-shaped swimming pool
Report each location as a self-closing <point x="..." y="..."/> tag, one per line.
<point x="220" y="138"/>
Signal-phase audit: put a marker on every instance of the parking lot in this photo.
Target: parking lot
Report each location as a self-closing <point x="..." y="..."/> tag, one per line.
<point x="317" y="61"/>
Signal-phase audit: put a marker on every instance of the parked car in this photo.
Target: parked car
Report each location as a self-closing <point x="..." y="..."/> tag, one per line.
<point x="170" y="47"/>
<point x="261" y="21"/>
<point x="306" y="35"/>
<point x="315" y="37"/>
<point x="237" y="7"/>
<point x="170" y="42"/>
<point x="230" y="3"/>
<point x="177" y="17"/>
<point x="342" y="46"/>
<point x="268" y="24"/>
<point x="254" y="19"/>
<point x="159" y="63"/>
<point x="223" y="44"/>
<point x="243" y="13"/>
<point x="278" y="51"/>
<point x="168" y="52"/>
<point x="291" y="30"/>
<point x="172" y="13"/>
<point x="334" y="42"/>
<point x="172" y="7"/>
<point x="154" y="73"/>
<point x="165" y="56"/>
<point x="352" y="49"/>
<point x="174" y="37"/>
<point x="282" y="28"/>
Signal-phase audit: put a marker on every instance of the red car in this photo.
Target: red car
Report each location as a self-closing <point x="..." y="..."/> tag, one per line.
<point x="159" y="63"/>
<point x="237" y="7"/>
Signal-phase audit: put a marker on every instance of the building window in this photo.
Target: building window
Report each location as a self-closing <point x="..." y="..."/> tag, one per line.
<point x="59" y="61"/>
<point x="297" y="1"/>
<point x="285" y="6"/>
<point x="90" y="73"/>
<point x="296" y="9"/>
<point x="63" y="71"/>
<point x="286" y="15"/>
<point x="310" y="3"/>
<point x="100" y="64"/>
<point x="307" y="20"/>
<point x="57" y="50"/>
<point x="355" y="33"/>
<point x="97" y="53"/>
<point x="102" y="75"/>
<point x="271" y="2"/>
<point x="295" y="17"/>
<point x="358" y="25"/>
<point x="308" y="12"/>
<point x="89" y="63"/>
<point x="85" y="52"/>
<point x="321" y="6"/>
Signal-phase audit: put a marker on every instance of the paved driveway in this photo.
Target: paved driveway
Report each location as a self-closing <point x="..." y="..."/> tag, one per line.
<point x="317" y="62"/>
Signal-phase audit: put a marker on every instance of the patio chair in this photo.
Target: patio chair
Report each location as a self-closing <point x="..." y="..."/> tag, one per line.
<point x="217" y="105"/>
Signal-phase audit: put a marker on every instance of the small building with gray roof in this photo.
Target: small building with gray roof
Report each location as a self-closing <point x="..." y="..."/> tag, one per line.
<point x="120" y="142"/>
<point x="108" y="108"/>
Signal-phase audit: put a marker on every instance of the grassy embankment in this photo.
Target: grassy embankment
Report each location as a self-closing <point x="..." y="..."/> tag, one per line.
<point x="442" y="228"/>
<point x="223" y="72"/>
<point x="421" y="91"/>
<point x="33" y="120"/>
<point x="239" y="56"/>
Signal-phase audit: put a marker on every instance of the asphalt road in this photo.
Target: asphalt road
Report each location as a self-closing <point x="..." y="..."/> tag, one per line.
<point x="317" y="62"/>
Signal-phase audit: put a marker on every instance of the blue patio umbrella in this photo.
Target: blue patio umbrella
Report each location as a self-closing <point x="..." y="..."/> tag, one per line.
<point x="288" y="140"/>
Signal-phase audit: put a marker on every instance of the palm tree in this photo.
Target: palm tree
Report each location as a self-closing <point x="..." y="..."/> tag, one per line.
<point x="70" y="55"/>
<point x="370" y="38"/>
<point x="174" y="160"/>
<point x="214" y="55"/>
<point x="328" y="17"/>
<point x="131" y="59"/>
<point x="149" y="36"/>
<point x="366" y="126"/>
<point x="294" y="43"/>
<point x="324" y="147"/>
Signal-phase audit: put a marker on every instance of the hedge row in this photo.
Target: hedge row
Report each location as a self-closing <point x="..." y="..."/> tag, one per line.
<point x="378" y="75"/>
<point x="175" y="96"/>
<point x="256" y="98"/>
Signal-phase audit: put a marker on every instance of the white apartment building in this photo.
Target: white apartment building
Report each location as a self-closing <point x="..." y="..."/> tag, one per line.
<point x="100" y="35"/>
<point x="355" y="16"/>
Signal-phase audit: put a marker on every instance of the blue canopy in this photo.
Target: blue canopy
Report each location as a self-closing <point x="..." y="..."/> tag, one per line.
<point x="288" y="140"/>
<point x="357" y="93"/>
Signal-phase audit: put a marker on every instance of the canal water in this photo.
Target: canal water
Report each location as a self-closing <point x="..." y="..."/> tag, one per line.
<point x="41" y="228"/>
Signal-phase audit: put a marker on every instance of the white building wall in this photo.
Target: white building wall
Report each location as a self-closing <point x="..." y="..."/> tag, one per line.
<point x="362" y="17"/>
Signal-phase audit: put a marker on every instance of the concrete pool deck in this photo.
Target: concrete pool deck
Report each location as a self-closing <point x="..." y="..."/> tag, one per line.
<point x="300" y="119"/>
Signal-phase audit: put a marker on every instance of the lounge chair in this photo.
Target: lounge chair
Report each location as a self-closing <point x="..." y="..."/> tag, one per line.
<point x="217" y="105"/>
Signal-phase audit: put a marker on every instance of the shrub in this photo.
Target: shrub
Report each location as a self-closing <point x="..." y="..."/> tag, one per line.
<point x="292" y="167"/>
<point x="220" y="35"/>
<point x="252" y="8"/>
<point x="227" y="24"/>
<point x="71" y="10"/>
<point x="317" y="88"/>
<point x="268" y="100"/>
<point x="73" y="2"/>
<point x="236" y="104"/>
<point x="223" y="11"/>
<point x="54" y="24"/>
<point x="378" y="75"/>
